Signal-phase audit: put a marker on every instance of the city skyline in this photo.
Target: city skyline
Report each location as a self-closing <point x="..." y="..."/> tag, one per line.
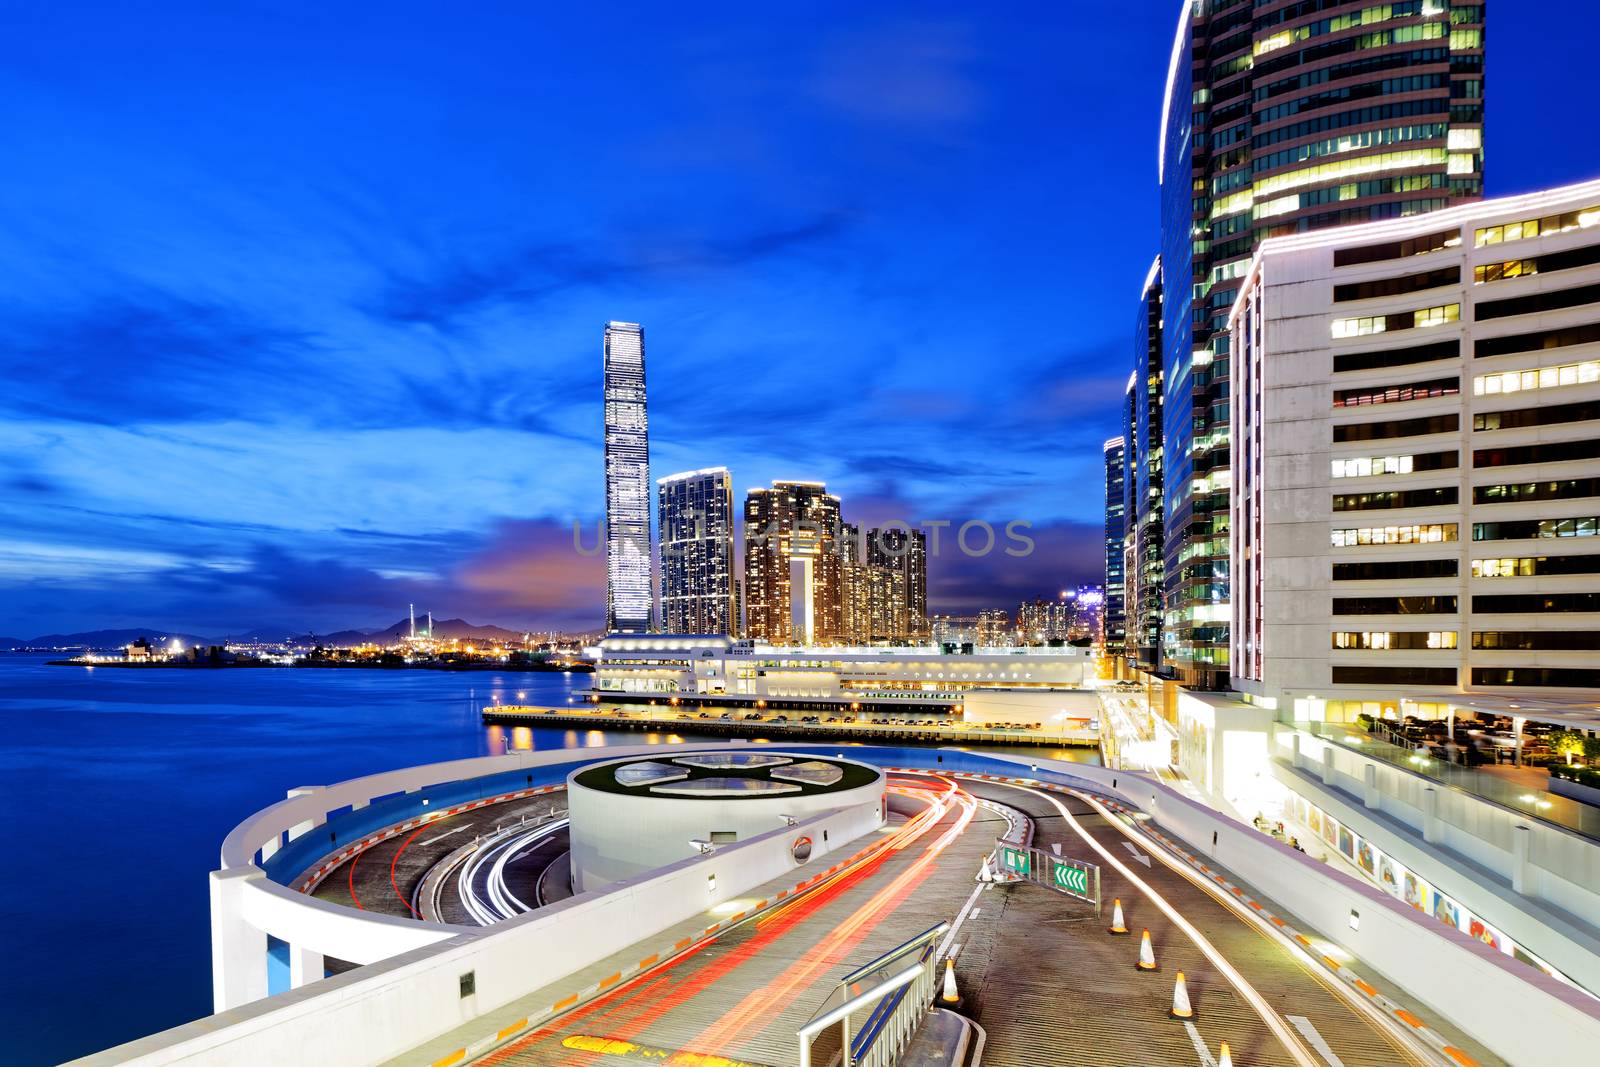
<point x="241" y="402"/>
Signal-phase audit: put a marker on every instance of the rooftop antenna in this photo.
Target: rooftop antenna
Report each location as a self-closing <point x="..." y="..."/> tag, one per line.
<point x="413" y="608"/>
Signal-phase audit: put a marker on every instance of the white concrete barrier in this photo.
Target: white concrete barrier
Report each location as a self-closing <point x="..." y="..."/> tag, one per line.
<point x="372" y="1015"/>
<point x="1521" y="1014"/>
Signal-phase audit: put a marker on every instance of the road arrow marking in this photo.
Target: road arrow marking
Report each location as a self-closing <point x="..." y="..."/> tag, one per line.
<point x="447" y="833"/>
<point x="1133" y="850"/>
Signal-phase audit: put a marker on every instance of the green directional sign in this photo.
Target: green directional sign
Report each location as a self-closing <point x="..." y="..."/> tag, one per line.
<point x="1016" y="860"/>
<point x="1069" y="877"/>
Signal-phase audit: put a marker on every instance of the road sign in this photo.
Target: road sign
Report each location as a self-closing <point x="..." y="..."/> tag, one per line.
<point x="1016" y="859"/>
<point x="1071" y="877"/>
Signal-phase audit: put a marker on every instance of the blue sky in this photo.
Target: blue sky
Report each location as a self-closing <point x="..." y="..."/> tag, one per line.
<point x="303" y="304"/>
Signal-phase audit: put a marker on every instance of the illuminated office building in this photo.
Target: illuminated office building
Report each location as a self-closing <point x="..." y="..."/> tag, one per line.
<point x="1416" y="461"/>
<point x="794" y="565"/>
<point x="629" y="594"/>
<point x="1278" y="120"/>
<point x="698" y="587"/>
<point x="1115" y="623"/>
<point x="1142" y="483"/>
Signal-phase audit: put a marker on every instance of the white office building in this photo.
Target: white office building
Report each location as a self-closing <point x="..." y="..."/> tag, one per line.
<point x="1416" y="460"/>
<point x="629" y="595"/>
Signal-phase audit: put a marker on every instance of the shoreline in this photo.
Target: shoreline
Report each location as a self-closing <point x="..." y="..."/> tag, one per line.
<point x="467" y="668"/>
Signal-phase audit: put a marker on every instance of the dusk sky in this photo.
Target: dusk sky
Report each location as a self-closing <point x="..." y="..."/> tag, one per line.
<point x="302" y="308"/>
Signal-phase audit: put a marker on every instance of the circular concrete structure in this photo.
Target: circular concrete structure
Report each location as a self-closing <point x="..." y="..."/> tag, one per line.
<point x="636" y="815"/>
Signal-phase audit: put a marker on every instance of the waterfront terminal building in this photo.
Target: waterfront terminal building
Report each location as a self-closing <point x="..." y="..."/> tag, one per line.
<point x="985" y="685"/>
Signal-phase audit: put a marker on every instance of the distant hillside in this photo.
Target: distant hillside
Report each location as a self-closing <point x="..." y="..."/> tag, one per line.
<point x="447" y="629"/>
<point x="104" y="639"/>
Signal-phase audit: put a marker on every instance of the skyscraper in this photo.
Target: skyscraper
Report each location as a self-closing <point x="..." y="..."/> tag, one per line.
<point x="1142" y="491"/>
<point x="1115" y="623"/>
<point x="698" y="593"/>
<point x="629" y="595"/>
<point x="794" y="565"/>
<point x="1301" y="117"/>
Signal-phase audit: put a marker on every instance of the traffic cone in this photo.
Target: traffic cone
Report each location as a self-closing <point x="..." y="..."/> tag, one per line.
<point x="1118" y="926"/>
<point x="950" y="995"/>
<point x="1180" y="1000"/>
<point x="1147" y="955"/>
<point x="1223" y="1057"/>
<point x="984" y="873"/>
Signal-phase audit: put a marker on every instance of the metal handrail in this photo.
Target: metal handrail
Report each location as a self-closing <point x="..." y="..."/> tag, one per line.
<point x="897" y="1001"/>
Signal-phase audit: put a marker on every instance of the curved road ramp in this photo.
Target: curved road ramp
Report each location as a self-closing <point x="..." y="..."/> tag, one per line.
<point x="891" y="929"/>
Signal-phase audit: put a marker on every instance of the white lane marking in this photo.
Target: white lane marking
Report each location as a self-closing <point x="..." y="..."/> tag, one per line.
<point x="961" y="917"/>
<point x="1280" y="1029"/>
<point x="447" y="833"/>
<point x="1133" y="850"/>
<point x="1204" y="1053"/>
<point x="1302" y="1024"/>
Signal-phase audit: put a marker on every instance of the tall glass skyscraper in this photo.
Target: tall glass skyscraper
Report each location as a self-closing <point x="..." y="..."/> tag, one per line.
<point x="629" y="593"/>
<point x="1143" y="514"/>
<point x="1116" y="527"/>
<point x="1281" y="118"/>
<point x="698" y="588"/>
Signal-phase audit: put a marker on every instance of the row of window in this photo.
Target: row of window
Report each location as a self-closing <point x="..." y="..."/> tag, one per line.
<point x="1383" y="640"/>
<point x="1422" y="318"/>
<point x="1535" y="529"/>
<point x="1548" y="452"/>
<point x="1521" y="492"/>
<point x="1367" y="16"/>
<point x="1411" y="83"/>
<point x="1388" y="499"/>
<point x="1350" y="142"/>
<point x="1395" y="394"/>
<point x="1379" y="431"/>
<point x="1396" y="357"/>
<point x="1396" y="605"/>
<point x="1559" y="377"/>
<point x="1537" y="341"/>
<point x="1369" y="466"/>
<point x="1545" y="264"/>
<point x="1354" y="68"/>
<point x="1415" y="534"/>
<point x="1553" y="415"/>
<point x="1411" y="246"/>
<point x="1273" y="62"/>
<point x="1537" y="303"/>
<point x="1346" y="169"/>
<point x="1522" y="603"/>
<point x="1534" y="566"/>
<point x="1359" y="116"/>
<point x="1364" y="674"/>
<point x="1534" y="677"/>
<point x="1395" y="570"/>
<point x="1583" y="218"/>
<point x="1536" y="640"/>
<point x="1405" y="283"/>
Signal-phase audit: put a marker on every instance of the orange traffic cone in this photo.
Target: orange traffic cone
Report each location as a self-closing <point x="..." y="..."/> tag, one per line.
<point x="1180" y="1000"/>
<point x="1147" y="955"/>
<point x="1223" y="1058"/>
<point x="950" y="995"/>
<point x="1118" y="926"/>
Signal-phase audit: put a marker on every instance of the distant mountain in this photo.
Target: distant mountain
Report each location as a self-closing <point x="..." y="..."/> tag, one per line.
<point x="104" y="639"/>
<point x="448" y="629"/>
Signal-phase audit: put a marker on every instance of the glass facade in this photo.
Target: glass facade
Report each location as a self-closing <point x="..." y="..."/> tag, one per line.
<point x="698" y="586"/>
<point x="629" y="593"/>
<point x="1143" y="480"/>
<point x="1116" y="529"/>
<point x="1279" y="122"/>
